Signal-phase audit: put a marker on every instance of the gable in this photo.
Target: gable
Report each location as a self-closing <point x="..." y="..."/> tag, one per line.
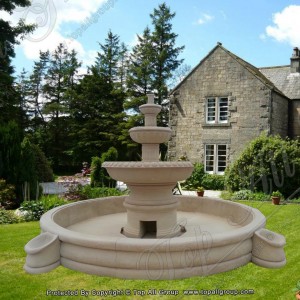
<point x="247" y="66"/>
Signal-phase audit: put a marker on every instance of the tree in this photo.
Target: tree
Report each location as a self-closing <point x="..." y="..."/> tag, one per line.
<point x="109" y="56"/>
<point x="35" y="90"/>
<point x="58" y="90"/>
<point x="165" y="59"/>
<point x="9" y="37"/>
<point x="10" y="155"/>
<point x="97" y="113"/>
<point x="123" y="66"/>
<point x="140" y="72"/>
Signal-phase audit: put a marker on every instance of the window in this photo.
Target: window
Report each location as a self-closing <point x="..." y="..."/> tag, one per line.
<point x="217" y="110"/>
<point x="215" y="158"/>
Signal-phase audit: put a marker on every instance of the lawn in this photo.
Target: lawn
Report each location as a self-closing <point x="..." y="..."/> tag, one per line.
<point x="266" y="283"/>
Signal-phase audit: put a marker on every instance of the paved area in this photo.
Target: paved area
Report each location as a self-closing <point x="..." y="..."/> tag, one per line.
<point x="61" y="187"/>
<point x="63" y="184"/>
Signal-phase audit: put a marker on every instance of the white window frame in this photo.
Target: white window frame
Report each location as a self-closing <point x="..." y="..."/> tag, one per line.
<point x="215" y="157"/>
<point x="218" y="108"/>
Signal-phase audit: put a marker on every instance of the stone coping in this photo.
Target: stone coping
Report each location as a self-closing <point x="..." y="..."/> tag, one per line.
<point x="147" y="164"/>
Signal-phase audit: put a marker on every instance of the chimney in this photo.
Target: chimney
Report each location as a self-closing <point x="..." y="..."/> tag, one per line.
<point x="295" y="61"/>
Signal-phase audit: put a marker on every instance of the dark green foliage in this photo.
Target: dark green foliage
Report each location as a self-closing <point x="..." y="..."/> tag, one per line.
<point x="29" y="176"/>
<point x="110" y="155"/>
<point x="90" y="193"/>
<point x="10" y="36"/>
<point x="59" y="91"/>
<point x="195" y="180"/>
<point x="268" y="163"/>
<point x="165" y="60"/>
<point x="10" y="152"/>
<point x="153" y="61"/>
<point x="108" y="58"/>
<point x="8" y="217"/>
<point x="97" y="116"/>
<point x="213" y="182"/>
<point x="96" y="174"/>
<point x="99" y="175"/>
<point x="7" y="195"/>
<point x="42" y="166"/>
<point x="140" y="72"/>
<point x="34" y="92"/>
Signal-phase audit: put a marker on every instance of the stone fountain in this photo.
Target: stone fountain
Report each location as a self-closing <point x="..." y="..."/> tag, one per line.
<point x="152" y="234"/>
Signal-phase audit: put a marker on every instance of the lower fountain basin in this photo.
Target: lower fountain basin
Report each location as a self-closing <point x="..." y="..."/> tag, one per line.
<point x="219" y="237"/>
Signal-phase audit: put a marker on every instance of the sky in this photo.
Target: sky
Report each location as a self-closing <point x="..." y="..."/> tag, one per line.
<point x="262" y="32"/>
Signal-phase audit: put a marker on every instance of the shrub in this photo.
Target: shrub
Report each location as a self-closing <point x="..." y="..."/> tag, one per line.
<point x="91" y="193"/>
<point x="34" y="210"/>
<point x="51" y="201"/>
<point x="28" y="171"/>
<point x="8" y="217"/>
<point x="110" y="155"/>
<point x="242" y="195"/>
<point x="213" y="182"/>
<point x="7" y="194"/>
<point x="99" y="175"/>
<point x="96" y="174"/>
<point x="80" y="192"/>
<point x="195" y="179"/>
<point x="295" y="200"/>
<point x="42" y="165"/>
<point x="260" y="196"/>
<point x="268" y="163"/>
<point x="248" y="195"/>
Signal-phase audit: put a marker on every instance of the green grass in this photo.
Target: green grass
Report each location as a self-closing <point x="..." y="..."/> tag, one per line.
<point x="267" y="283"/>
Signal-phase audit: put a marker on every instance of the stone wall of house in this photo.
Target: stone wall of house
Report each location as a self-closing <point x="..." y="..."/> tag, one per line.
<point x="219" y="74"/>
<point x="295" y="118"/>
<point x="280" y="115"/>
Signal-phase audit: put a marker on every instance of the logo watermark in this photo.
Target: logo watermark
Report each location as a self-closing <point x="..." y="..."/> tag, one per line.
<point x="43" y="14"/>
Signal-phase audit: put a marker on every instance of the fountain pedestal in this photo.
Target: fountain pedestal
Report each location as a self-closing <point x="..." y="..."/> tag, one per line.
<point x="153" y="217"/>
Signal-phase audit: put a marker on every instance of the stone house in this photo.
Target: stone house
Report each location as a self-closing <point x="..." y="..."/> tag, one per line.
<point x="225" y="102"/>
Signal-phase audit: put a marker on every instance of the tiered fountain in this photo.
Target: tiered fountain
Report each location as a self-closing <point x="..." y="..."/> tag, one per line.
<point x="152" y="234"/>
<point x="151" y="207"/>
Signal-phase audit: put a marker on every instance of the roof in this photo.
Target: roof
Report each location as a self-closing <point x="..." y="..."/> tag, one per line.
<point x="287" y="82"/>
<point x="264" y="76"/>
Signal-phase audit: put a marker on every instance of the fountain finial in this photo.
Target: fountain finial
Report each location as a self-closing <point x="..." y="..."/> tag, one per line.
<point x="150" y="98"/>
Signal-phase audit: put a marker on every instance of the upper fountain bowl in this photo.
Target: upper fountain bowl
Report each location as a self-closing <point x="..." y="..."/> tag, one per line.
<point x="150" y="109"/>
<point x="150" y="134"/>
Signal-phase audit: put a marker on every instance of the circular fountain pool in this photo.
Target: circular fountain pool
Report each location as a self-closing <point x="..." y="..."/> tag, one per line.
<point x="218" y="238"/>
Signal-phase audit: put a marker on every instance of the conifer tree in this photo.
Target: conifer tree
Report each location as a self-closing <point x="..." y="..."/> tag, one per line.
<point x="60" y="80"/>
<point x="165" y="60"/>
<point x="9" y="37"/>
<point x="36" y="84"/>
<point x="166" y="53"/>
<point x="108" y="58"/>
<point x="140" y="72"/>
